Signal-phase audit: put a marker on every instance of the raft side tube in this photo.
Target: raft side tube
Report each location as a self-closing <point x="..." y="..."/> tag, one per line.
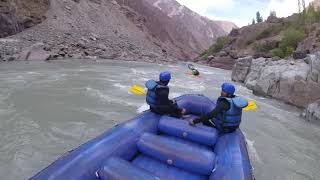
<point x="233" y="161"/>
<point x="83" y="162"/>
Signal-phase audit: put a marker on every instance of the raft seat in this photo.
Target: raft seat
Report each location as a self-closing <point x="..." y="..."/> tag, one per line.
<point x="115" y="168"/>
<point x="178" y="153"/>
<point x="180" y="128"/>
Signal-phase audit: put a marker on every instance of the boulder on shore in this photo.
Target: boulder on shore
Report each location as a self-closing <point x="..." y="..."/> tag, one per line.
<point x="35" y="52"/>
<point x="293" y="81"/>
<point x="312" y="113"/>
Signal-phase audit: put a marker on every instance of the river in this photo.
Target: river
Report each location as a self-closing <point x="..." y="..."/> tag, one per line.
<point x="47" y="109"/>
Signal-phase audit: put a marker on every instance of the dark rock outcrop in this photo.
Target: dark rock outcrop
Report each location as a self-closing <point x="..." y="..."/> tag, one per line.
<point x="17" y="15"/>
<point x="9" y="23"/>
<point x="299" y="54"/>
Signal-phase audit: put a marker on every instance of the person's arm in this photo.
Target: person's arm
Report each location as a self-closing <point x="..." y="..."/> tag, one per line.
<point x="221" y="107"/>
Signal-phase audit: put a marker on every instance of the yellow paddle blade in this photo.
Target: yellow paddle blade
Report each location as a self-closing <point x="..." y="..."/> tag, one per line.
<point x="251" y="106"/>
<point x="137" y="90"/>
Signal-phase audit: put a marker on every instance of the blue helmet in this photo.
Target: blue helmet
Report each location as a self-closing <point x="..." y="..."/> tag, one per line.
<point x="165" y="76"/>
<point x="228" y="88"/>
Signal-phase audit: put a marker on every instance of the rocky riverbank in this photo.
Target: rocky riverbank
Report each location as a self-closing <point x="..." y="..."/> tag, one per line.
<point x="296" y="82"/>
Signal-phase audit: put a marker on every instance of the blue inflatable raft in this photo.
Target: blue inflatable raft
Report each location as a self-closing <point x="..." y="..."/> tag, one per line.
<point x="153" y="147"/>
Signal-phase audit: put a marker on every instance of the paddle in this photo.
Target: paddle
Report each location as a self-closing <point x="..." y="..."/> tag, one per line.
<point x="136" y="89"/>
<point x="251" y="106"/>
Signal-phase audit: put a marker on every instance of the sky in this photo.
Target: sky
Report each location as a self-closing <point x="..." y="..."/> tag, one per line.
<point x="241" y="12"/>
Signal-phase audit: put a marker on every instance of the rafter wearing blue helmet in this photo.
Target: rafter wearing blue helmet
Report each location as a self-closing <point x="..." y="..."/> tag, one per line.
<point x="226" y="117"/>
<point x="158" y="97"/>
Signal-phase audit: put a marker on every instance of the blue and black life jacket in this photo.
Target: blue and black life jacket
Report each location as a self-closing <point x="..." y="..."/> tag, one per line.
<point x="152" y="98"/>
<point x="230" y="120"/>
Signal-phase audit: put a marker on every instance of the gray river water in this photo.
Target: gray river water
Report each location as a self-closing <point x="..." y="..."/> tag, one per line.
<point x="47" y="109"/>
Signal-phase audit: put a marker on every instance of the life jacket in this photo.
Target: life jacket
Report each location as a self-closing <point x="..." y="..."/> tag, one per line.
<point x="230" y="120"/>
<point x="152" y="98"/>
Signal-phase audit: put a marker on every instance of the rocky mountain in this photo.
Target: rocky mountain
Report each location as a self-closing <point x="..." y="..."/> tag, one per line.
<point x="294" y="36"/>
<point x="124" y="29"/>
<point x="177" y="27"/>
<point x="191" y="30"/>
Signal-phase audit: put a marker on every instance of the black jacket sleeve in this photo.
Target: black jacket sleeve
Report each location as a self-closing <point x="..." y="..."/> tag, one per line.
<point x="222" y="106"/>
<point x="163" y="95"/>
